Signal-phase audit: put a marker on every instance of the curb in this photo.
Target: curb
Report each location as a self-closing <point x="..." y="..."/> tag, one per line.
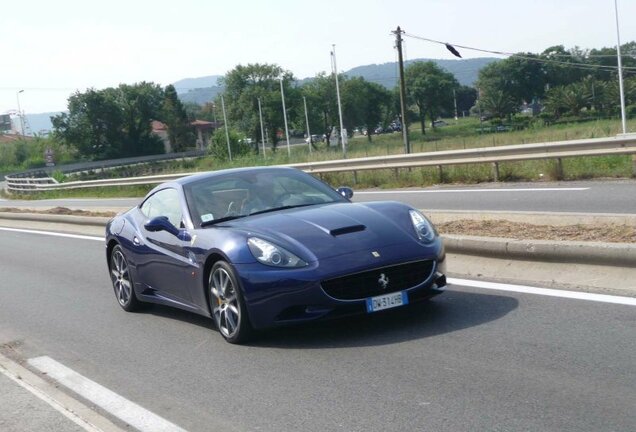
<point x="613" y="254"/>
<point x="67" y="219"/>
<point x="535" y="218"/>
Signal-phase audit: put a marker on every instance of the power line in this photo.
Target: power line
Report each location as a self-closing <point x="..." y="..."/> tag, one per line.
<point x="526" y="57"/>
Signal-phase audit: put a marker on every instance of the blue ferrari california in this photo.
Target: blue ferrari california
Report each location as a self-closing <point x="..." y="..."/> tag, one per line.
<point x="261" y="247"/>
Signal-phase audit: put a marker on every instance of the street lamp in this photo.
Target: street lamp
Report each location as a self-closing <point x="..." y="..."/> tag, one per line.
<point x="17" y="95"/>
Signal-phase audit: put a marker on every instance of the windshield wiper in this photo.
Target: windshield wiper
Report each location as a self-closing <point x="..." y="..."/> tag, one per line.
<point x="219" y="220"/>
<point x="282" y="208"/>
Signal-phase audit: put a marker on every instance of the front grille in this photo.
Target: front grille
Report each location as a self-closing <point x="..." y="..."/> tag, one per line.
<point x="369" y="283"/>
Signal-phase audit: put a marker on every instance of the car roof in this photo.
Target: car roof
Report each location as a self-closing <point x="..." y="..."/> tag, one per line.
<point x="211" y="174"/>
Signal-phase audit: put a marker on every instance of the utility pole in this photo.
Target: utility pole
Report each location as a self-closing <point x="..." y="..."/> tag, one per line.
<point x="260" y="116"/>
<point x="20" y="113"/>
<point x="307" y="121"/>
<point x="620" y="70"/>
<point x="405" y="128"/>
<point x="227" y="132"/>
<point x="455" y="104"/>
<point x="343" y="133"/>
<point x="282" y="95"/>
<point x="481" y="126"/>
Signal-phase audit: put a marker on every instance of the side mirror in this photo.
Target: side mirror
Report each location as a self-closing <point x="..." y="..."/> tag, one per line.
<point x="161" y="223"/>
<point x="346" y="192"/>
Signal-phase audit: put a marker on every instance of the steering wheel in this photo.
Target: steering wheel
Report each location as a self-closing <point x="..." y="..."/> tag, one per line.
<point x="282" y="198"/>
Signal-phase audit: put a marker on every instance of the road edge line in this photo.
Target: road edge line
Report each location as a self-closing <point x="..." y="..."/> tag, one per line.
<point x="116" y="405"/>
<point x="548" y="292"/>
<point x="74" y="410"/>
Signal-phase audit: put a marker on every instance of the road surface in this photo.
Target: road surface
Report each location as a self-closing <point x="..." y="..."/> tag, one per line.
<point x="578" y="197"/>
<point x="472" y="359"/>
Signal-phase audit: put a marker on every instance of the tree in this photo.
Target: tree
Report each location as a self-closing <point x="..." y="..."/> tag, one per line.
<point x="559" y="71"/>
<point x="244" y="85"/>
<point x="112" y="123"/>
<point x="322" y="103"/>
<point x="466" y="97"/>
<point x="498" y="103"/>
<point x="521" y="79"/>
<point x="430" y="88"/>
<point x="174" y="115"/>
<point x="365" y="104"/>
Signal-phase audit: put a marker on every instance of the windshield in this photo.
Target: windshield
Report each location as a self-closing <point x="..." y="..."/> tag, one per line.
<point x="220" y="198"/>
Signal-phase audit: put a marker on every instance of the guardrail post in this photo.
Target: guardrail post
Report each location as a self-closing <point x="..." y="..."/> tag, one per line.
<point x="441" y="173"/>
<point x="396" y="172"/>
<point x="495" y="171"/>
<point x="559" y="169"/>
<point x="355" y="177"/>
<point x="634" y="165"/>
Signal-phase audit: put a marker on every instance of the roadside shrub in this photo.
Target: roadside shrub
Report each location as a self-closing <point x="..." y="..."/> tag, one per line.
<point x="218" y="146"/>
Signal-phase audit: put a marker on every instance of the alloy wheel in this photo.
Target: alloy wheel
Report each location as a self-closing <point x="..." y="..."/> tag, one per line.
<point x="121" y="278"/>
<point x="225" y="303"/>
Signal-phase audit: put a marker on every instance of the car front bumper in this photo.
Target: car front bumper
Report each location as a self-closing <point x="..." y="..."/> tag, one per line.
<point x="276" y="297"/>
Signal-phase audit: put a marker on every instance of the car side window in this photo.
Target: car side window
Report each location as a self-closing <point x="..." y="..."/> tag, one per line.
<point x="166" y="202"/>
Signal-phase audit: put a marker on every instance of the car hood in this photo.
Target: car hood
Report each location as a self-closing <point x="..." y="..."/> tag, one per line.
<point x="334" y="229"/>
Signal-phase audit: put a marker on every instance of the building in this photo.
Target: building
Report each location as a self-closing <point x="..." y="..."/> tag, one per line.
<point x="161" y="130"/>
<point x="204" y="130"/>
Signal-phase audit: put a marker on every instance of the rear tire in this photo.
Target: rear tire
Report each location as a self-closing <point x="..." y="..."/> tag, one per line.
<point x="227" y="304"/>
<point x="122" y="281"/>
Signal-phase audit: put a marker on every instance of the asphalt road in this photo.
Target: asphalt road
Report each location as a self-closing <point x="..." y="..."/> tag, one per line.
<point x="471" y="359"/>
<point x="579" y="197"/>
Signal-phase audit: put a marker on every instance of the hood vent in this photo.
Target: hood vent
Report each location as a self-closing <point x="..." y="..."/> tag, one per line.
<point x="346" y="230"/>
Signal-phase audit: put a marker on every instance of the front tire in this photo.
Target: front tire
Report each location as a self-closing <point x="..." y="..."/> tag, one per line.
<point x="122" y="281"/>
<point x="227" y="304"/>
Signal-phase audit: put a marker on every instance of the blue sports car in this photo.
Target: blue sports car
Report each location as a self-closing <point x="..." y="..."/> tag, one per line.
<point x="262" y="247"/>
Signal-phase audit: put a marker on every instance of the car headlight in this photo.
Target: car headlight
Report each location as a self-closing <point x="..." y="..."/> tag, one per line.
<point x="423" y="227"/>
<point x="272" y="255"/>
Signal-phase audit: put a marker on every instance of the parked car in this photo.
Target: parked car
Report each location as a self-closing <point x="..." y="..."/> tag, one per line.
<point x="314" y="138"/>
<point x="254" y="248"/>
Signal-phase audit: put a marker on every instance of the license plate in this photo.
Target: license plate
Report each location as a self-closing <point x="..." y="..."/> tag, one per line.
<point x="387" y="301"/>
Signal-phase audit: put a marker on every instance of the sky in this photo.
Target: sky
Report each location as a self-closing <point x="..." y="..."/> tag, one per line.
<point x="51" y="49"/>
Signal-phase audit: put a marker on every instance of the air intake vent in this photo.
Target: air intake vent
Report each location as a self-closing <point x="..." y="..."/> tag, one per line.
<point x="347" y="230"/>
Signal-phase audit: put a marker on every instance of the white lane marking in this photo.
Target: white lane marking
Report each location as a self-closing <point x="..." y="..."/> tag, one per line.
<point x="71" y="200"/>
<point x="51" y="233"/>
<point x="18" y="374"/>
<point x="120" y="407"/>
<point x="395" y="192"/>
<point x="466" y="282"/>
<point x="603" y="298"/>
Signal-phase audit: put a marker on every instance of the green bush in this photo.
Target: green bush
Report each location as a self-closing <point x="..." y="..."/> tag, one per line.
<point x="218" y="146"/>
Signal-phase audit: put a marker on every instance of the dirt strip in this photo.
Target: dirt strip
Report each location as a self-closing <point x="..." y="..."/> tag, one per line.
<point x="609" y="232"/>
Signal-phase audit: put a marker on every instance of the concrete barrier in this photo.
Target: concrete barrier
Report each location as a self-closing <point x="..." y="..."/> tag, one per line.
<point x="612" y="254"/>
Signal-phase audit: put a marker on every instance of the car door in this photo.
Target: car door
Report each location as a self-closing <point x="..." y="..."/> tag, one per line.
<point x="165" y="262"/>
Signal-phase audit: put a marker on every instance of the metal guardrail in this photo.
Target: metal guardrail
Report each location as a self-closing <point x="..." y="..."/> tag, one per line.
<point x="105" y="164"/>
<point x="556" y="150"/>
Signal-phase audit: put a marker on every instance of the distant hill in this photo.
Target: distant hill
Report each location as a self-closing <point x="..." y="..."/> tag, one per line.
<point x="205" y="89"/>
<point x="466" y="71"/>
<point x="201" y="95"/>
<point x="187" y="84"/>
